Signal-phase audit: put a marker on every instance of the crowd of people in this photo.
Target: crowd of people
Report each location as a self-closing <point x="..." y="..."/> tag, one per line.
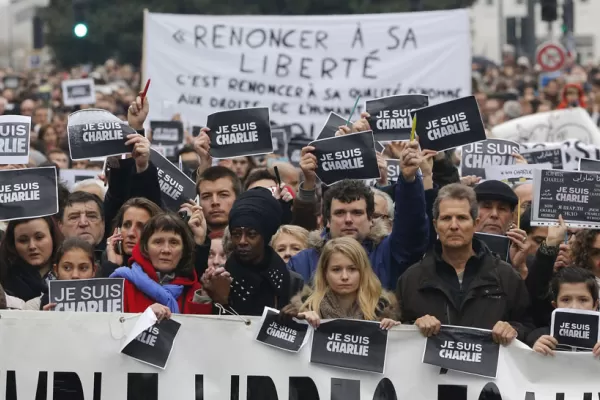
<point x="401" y="251"/>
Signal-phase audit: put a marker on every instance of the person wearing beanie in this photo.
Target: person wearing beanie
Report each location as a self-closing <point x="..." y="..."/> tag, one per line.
<point x="497" y="204"/>
<point x="259" y="277"/>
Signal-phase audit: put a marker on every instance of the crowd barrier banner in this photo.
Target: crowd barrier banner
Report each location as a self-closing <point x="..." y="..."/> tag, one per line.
<point x="302" y="67"/>
<point x="46" y="355"/>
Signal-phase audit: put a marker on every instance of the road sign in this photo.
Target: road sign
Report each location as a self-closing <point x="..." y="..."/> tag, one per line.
<point x="551" y="56"/>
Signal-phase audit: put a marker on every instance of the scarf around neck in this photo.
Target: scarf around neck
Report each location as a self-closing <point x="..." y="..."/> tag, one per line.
<point x="330" y="309"/>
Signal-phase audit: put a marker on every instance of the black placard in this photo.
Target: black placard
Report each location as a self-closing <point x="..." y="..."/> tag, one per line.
<point x="379" y="147"/>
<point x="346" y="157"/>
<point x="167" y="133"/>
<point x="154" y="345"/>
<point x="448" y="125"/>
<point x="14" y="139"/>
<point x="589" y="165"/>
<point x="283" y="333"/>
<point x="87" y="295"/>
<point x="333" y="123"/>
<point x="295" y="147"/>
<point x="237" y="133"/>
<point x="78" y="91"/>
<point x="98" y="139"/>
<point x="575" y="329"/>
<point x="556" y="157"/>
<point x="391" y="117"/>
<point x="393" y="169"/>
<point x="176" y="186"/>
<point x="196" y="131"/>
<point x="351" y="344"/>
<point x="280" y="139"/>
<point x="574" y="195"/>
<point x="498" y="244"/>
<point x="477" y="156"/>
<point x="28" y="193"/>
<point x="463" y="349"/>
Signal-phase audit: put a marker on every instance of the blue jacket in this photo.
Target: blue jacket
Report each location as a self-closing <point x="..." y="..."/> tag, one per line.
<point x="390" y="255"/>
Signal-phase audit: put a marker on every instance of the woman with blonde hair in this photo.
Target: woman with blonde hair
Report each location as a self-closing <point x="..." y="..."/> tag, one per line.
<point x="289" y="241"/>
<point x="345" y="286"/>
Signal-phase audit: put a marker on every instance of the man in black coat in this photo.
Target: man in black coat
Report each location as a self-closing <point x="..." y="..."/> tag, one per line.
<point x="460" y="282"/>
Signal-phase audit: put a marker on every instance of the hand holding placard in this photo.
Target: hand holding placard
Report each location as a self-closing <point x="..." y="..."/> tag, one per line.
<point x="141" y="151"/>
<point x="410" y="161"/>
<point x="201" y="145"/>
<point x="308" y="165"/>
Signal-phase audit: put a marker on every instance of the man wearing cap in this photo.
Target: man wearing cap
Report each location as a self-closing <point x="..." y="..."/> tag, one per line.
<point x="497" y="203"/>
<point x="259" y="277"/>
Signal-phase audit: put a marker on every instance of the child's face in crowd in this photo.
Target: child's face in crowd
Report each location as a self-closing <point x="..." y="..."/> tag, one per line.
<point x="217" y="256"/>
<point x="75" y="264"/>
<point x="575" y="295"/>
<point x="33" y="242"/>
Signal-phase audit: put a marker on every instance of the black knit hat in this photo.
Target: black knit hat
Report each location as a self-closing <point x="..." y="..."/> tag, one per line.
<point x="496" y="190"/>
<point x="256" y="209"/>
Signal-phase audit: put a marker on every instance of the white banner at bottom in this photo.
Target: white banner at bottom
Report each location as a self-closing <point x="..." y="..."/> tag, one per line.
<point x="46" y="355"/>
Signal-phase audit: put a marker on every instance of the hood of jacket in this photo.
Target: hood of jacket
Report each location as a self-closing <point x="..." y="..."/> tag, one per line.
<point x="138" y="258"/>
<point x="563" y="96"/>
<point x="387" y="307"/>
<point x="378" y="232"/>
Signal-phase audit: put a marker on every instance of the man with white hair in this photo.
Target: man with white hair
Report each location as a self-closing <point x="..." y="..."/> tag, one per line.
<point x="93" y="186"/>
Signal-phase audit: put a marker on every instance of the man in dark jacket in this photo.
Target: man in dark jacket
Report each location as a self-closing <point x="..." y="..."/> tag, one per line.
<point x="259" y="277"/>
<point x="348" y="208"/>
<point x="460" y="282"/>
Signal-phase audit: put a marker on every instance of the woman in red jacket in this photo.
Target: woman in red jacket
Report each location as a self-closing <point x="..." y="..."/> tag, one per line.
<point x="162" y="270"/>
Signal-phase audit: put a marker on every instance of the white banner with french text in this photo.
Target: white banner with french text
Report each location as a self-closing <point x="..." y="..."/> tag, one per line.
<point x="76" y="355"/>
<point x="302" y="67"/>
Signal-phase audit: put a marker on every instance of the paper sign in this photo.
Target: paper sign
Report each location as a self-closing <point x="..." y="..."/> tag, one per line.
<point x="282" y="333"/>
<point x="574" y="195"/>
<point x="176" y="187"/>
<point x="78" y="91"/>
<point x="556" y="157"/>
<point x="346" y="157"/>
<point x="393" y="169"/>
<point x="167" y="133"/>
<point x="14" y="139"/>
<point x="295" y="147"/>
<point x="69" y="177"/>
<point x="575" y="329"/>
<point x="28" y="193"/>
<point x="463" y="349"/>
<point x="589" y="165"/>
<point x="448" y="125"/>
<point x="87" y="295"/>
<point x="280" y="140"/>
<point x="333" y="123"/>
<point x="498" y="244"/>
<point x="476" y="157"/>
<point x="237" y="133"/>
<point x="391" y="117"/>
<point x="511" y="174"/>
<point x="351" y="344"/>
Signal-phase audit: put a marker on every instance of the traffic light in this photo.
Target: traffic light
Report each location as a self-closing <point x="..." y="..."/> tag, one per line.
<point x="568" y="16"/>
<point x="80" y="28"/>
<point x="549" y="10"/>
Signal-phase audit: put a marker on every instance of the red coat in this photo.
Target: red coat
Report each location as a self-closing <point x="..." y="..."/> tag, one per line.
<point x="136" y="301"/>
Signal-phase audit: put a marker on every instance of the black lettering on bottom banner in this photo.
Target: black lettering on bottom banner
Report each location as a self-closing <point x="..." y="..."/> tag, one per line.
<point x="261" y="388"/>
<point x="303" y="388"/>
<point x="452" y="392"/>
<point x="142" y="386"/>
<point x="11" y="386"/>
<point x="345" y="389"/>
<point x="490" y="392"/>
<point x="385" y="390"/>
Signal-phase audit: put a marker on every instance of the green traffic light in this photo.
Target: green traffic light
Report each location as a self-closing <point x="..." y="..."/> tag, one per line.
<point x="80" y="30"/>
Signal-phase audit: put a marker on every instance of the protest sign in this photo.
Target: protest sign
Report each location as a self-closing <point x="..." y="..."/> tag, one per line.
<point x="78" y="91"/>
<point x="176" y="186"/>
<point x="511" y="174"/>
<point x="332" y="125"/>
<point x="14" y="139"/>
<point x="346" y="157"/>
<point x="351" y="344"/>
<point x="97" y="133"/>
<point x="282" y="333"/>
<point x="299" y="67"/>
<point x="393" y="169"/>
<point x="167" y="133"/>
<point x="280" y="140"/>
<point x="391" y="117"/>
<point x="237" y="133"/>
<point x="589" y="165"/>
<point x="575" y="329"/>
<point x="295" y="147"/>
<point x="230" y="363"/>
<point x="379" y="147"/>
<point x="556" y="157"/>
<point x="476" y="157"/>
<point x="574" y="150"/>
<point x="574" y="195"/>
<point x="87" y="295"/>
<point x="448" y="125"/>
<point x="498" y="244"/>
<point x="151" y="342"/>
<point x="69" y="177"/>
<point x="28" y="193"/>
<point x="463" y="349"/>
<point x="550" y="127"/>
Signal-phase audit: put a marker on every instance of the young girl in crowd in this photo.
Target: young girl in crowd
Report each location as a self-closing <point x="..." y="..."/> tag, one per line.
<point x="344" y="287"/>
<point x="289" y="241"/>
<point x="163" y="270"/>
<point x="74" y="260"/>
<point x="26" y="255"/>
<point x="217" y="256"/>
<point x="571" y="287"/>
